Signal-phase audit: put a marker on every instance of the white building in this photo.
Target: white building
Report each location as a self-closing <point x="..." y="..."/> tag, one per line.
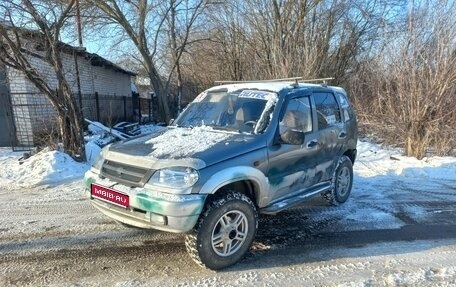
<point x="26" y="114"/>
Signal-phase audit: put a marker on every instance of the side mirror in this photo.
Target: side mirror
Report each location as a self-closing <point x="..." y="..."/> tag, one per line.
<point x="294" y="137"/>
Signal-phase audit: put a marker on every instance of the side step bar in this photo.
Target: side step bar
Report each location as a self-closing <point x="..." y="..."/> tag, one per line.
<point x="293" y="200"/>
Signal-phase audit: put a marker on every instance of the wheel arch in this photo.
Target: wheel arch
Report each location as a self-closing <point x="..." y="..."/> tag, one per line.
<point x="243" y="179"/>
<point x="351" y="154"/>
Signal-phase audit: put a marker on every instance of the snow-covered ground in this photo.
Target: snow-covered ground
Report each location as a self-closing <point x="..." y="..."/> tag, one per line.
<point x="397" y="229"/>
<point x="376" y="161"/>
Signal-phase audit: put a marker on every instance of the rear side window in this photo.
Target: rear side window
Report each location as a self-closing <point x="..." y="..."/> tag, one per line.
<point x="328" y="112"/>
<point x="345" y="106"/>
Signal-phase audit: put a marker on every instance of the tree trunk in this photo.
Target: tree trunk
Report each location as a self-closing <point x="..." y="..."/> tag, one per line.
<point x="71" y="127"/>
<point x="70" y="117"/>
<point x="164" y="114"/>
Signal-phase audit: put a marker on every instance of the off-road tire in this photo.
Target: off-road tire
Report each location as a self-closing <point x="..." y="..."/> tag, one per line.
<point x="199" y="242"/>
<point x="342" y="182"/>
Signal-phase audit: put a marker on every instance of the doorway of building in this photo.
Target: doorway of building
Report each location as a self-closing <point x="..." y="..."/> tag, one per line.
<point x="6" y="124"/>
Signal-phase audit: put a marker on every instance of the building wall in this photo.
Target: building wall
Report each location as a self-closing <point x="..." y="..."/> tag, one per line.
<point x="109" y="82"/>
<point x="33" y="113"/>
<point x="104" y="80"/>
<point x="20" y="92"/>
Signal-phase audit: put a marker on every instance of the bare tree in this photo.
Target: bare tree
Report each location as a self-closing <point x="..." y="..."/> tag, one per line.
<point x="397" y="58"/>
<point x="180" y="19"/>
<point x="148" y="24"/>
<point x="18" y="47"/>
<point x="406" y="93"/>
<point x="258" y="39"/>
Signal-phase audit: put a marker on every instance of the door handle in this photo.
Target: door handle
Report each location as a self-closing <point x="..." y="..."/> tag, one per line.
<point x="311" y="144"/>
<point x="342" y="135"/>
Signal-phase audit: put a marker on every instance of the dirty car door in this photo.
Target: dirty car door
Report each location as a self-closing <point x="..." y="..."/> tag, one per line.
<point x="330" y="132"/>
<point x="292" y="166"/>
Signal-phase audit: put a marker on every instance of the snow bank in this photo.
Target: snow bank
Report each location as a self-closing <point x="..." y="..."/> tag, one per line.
<point x="374" y="160"/>
<point x="46" y="167"/>
<point x="53" y="167"/>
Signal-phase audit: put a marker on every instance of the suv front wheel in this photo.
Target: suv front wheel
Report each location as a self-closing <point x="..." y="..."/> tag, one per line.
<point x="224" y="232"/>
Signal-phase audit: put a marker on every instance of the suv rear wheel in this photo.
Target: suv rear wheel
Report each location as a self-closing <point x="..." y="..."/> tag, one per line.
<point x="342" y="182"/>
<point x="224" y="232"/>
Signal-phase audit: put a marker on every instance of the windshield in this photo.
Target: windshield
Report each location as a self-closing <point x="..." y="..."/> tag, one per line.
<point x="245" y="111"/>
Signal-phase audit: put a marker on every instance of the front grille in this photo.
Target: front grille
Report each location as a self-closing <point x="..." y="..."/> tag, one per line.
<point x="127" y="174"/>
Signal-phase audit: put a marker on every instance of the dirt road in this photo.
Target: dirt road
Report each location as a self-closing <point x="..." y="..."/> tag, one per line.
<point x="393" y="233"/>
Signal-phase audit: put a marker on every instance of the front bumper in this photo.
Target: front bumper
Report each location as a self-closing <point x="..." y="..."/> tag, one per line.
<point x="149" y="209"/>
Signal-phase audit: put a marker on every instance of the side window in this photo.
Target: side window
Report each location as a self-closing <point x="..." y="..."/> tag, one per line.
<point x="345" y="106"/>
<point x="297" y="115"/>
<point x="328" y="112"/>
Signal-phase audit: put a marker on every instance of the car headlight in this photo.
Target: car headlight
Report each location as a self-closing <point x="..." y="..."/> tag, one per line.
<point x="98" y="163"/>
<point x="175" y="177"/>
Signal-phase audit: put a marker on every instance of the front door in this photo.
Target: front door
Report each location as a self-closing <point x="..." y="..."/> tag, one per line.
<point x="292" y="167"/>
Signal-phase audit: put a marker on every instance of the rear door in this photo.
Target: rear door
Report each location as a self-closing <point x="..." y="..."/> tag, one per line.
<point x="330" y="132"/>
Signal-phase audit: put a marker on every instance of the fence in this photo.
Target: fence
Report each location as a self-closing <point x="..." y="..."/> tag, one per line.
<point x="34" y="118"/>
<point x="107" y="109"/>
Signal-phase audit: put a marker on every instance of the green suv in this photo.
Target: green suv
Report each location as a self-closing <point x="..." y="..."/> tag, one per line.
<point x="238" y="150"/>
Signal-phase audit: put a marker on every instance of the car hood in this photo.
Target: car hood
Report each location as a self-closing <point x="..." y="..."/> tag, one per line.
<point x="194" y="147"/>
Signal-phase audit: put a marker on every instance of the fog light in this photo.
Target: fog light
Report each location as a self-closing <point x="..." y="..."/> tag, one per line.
<point x="158" y="219"/>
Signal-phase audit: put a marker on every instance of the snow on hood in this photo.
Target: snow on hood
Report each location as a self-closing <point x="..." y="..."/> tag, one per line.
<point x="181" y="142"/>
<point x="178" y="146"/>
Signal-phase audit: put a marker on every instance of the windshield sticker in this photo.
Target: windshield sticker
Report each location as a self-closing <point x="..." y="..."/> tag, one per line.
<point x="251" y="94"/>
<point x="200" y="97"/>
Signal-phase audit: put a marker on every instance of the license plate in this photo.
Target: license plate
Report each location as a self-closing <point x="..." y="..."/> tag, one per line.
<point x="110" y="195"/>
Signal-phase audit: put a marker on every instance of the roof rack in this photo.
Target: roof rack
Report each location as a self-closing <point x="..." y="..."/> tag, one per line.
<point x="324" y="81"/>
<point x="295" y="80"/>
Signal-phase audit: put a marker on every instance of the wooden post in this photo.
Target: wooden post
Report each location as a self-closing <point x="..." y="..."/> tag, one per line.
<point x="97" y="105"/>
<point x="125" y="107"/>
<point x="150" y="109"/>
<point x="139" y="110"/>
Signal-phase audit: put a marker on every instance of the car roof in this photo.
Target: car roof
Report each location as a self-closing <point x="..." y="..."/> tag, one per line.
<point x="270" y="86"/>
